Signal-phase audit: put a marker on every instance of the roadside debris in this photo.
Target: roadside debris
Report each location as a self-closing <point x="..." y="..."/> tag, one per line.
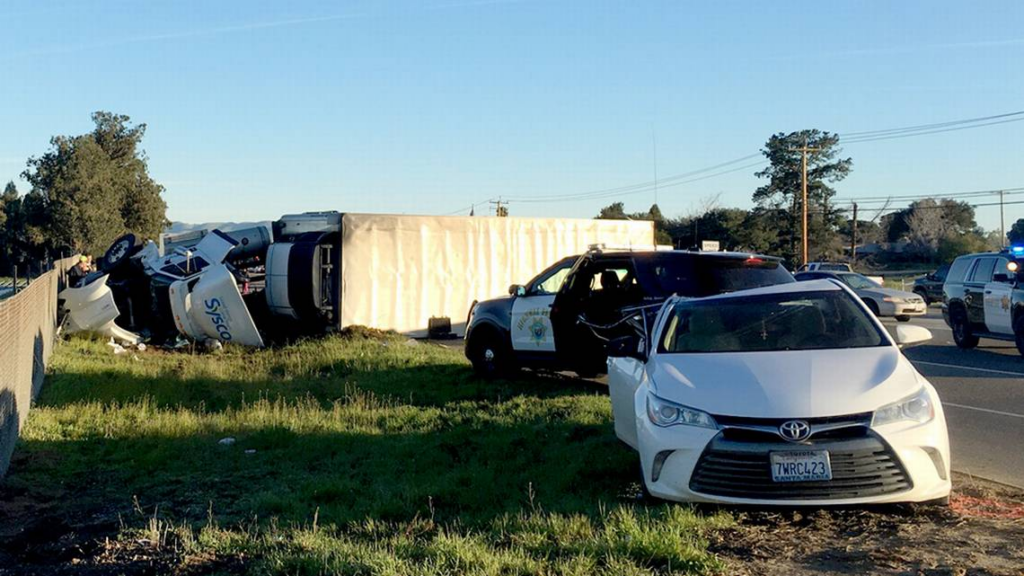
<point x="229" y="441"/>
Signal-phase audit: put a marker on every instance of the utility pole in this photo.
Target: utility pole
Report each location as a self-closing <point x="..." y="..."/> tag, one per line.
<point x="853" y="236"/>
<point x="803" y="168"/>
<point x="1002" y="222"/>
<point x="500" y="210"/>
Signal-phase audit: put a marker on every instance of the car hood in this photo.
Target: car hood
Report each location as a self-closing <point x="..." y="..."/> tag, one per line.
<point x="785" y="384"/>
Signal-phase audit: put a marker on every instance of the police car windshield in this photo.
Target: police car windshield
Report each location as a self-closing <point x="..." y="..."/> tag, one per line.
<point x="857" y="282"/>
<point x="794" y="321"/>
<point x="692" y="275"/>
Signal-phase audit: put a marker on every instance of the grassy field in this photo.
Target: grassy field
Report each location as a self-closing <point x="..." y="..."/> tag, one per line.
<point x="351" y="455"/>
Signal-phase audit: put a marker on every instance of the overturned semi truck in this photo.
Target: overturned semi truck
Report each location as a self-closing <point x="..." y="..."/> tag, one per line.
<point x="322" y="271"/>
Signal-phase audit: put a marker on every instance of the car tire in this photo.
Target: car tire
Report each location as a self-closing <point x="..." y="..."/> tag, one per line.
<point x="873" y="306"/>
<point x="903" y="318"/>
<point x="1018" y="334"/>
<point x="490" y="355"/>
<point x="924" y="296"/>
<point x="962" y="335"/>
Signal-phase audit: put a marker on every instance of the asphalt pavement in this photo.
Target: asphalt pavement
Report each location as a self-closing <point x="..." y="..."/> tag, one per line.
<point x="982" y="391"/>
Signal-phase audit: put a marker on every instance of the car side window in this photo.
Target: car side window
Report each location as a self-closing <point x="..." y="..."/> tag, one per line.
<point x="552" y="283"/>
<point x="983" y="270"/>
<point x="940" y="274"/>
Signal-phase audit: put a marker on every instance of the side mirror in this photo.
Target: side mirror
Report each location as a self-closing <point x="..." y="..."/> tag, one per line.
<point x="517" y="290"/>
<point x="1002" y="277"/>
<point x="631" y="346"/>
<point x="910" y="335"/>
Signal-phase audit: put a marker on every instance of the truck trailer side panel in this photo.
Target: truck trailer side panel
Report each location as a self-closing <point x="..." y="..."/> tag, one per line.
<point x="399" y="271"/>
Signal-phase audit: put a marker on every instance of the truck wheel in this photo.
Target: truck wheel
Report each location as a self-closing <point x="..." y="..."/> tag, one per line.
<point x="490" y="356"/>
<point x="961" y="330"/>
<point x="903" y="318"/>
<point x="873" y="306"/>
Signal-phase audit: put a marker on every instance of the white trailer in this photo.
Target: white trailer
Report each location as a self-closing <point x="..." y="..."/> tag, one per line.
<point x="398" y="272"/>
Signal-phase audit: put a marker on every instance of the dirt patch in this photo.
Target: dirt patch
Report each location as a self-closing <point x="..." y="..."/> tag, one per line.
<point x="980" y="533"/>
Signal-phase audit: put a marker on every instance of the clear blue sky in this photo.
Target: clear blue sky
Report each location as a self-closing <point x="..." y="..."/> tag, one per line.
<point x="259" y="108"/>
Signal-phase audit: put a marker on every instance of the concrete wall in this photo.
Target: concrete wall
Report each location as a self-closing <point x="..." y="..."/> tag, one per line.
<point x="28" y="322"/>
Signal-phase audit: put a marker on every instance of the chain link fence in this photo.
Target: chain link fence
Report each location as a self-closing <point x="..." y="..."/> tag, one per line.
<point x="28" y="325"/>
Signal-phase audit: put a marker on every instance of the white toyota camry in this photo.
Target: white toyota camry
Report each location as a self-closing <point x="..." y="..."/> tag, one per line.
<point x="792" y="394"/>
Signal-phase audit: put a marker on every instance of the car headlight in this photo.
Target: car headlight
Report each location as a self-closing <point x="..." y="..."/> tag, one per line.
<point x="918" y="407"/>
<point x="664" y="413"/>
<point x="892" y="299"/>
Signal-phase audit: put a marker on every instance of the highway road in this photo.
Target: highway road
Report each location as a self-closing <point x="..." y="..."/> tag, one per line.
<point x="982" y="391"/>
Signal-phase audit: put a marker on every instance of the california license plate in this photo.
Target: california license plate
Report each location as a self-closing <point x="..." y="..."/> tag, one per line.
<point x="801" y="466"/>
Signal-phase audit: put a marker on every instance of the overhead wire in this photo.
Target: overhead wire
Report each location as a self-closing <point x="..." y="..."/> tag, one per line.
<point x="715" y="171"/>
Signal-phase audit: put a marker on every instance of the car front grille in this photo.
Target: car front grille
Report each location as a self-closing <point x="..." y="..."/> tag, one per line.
<point x="862" y="465"/>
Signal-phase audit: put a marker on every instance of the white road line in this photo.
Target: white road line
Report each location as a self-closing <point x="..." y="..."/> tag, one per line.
<point x="984" y="410"/>
<point x="958" y="367"/>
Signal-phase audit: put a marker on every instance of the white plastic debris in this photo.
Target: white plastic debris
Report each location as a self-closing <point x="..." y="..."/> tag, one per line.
<point x="141" y="347"/>
<point x="117" y="348"/>
<point x="212" y="345"/>
<point x="250" y="451"/>
<point x="229" y="441"/>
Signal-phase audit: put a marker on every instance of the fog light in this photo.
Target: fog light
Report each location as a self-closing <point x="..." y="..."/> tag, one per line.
<point x="940" y="464"/>
<point x="659" y="461"/>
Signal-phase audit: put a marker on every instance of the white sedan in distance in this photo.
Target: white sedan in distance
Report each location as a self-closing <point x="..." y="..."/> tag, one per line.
<point x="787" y="395"/>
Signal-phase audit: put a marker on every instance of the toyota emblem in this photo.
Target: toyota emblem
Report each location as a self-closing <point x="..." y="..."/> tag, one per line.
<point x="795" y="430"/>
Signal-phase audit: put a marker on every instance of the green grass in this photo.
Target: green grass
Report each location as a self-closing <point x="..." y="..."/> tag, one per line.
<point x="372" y="456"/>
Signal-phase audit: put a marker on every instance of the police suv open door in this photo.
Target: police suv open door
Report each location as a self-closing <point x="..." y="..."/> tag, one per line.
<point x="531" y="310"/>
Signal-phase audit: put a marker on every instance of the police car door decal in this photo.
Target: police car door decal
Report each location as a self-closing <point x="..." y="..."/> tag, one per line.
<point x="998" y="305"/>
<point x="531" y="323"/>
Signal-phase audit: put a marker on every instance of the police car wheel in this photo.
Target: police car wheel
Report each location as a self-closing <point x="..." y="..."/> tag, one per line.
<point x="1018" y="332"/>
<point x="962" y="331"/>
<point x="489" y="356"/>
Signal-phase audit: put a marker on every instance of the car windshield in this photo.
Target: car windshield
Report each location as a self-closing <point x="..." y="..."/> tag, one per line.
<point x="690" y="275"/>
<point x="857" y="282"/>
<point x="792" y="321"/>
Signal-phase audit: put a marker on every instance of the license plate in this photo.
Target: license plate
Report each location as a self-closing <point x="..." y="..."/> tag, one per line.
<point x="801" y="466"/>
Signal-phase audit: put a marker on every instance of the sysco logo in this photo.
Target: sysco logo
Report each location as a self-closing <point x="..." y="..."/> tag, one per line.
<point x="219" y="323"/>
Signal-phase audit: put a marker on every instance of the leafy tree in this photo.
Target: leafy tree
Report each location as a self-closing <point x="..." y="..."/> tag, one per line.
<point x="952" y="246"/>
<point x="89" y="189"/>
<point x="1016" y="233"/>
<point x="617" y="211"/>
<point x="782" y="193"/>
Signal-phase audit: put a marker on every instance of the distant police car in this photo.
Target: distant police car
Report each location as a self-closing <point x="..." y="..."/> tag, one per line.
<point x="983" y="296"/>
<point x="562" y="319"/>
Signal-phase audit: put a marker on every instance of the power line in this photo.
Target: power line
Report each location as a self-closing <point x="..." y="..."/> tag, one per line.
<point x="715" y="171"/>
<point x="923" y="196"/>
<point x="931" y="126"/>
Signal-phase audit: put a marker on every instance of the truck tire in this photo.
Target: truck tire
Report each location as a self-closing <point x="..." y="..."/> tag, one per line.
<point x="490" y="354"/>
<point x="962" y="335"/>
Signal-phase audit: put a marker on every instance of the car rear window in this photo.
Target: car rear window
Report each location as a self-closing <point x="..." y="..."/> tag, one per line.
<point x="959" y="269"/>
<point x="690" y="275"/>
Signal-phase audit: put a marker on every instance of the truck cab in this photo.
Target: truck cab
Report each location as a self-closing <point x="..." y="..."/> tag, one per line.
<point x="983" y="297"/>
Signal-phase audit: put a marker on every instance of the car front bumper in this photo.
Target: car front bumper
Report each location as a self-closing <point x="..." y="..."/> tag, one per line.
<point x="902" y="309"/>
<point x="911" y="460"/>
